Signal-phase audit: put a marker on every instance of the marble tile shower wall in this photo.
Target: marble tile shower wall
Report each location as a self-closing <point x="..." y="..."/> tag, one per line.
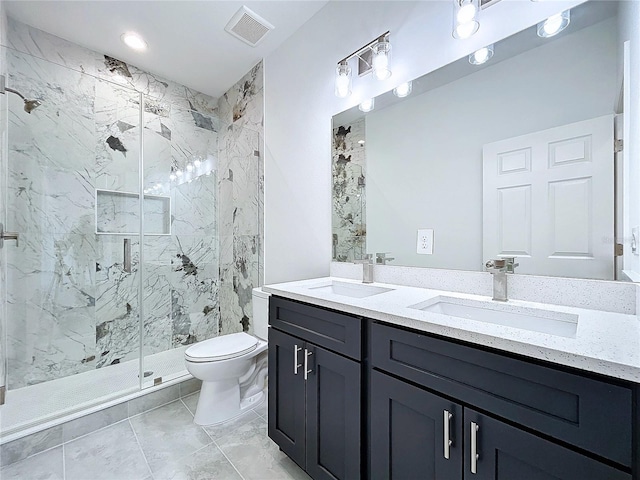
<point x="71" y="304"/>
<point x="349" y="230"/>
<point x="241" y="179"/>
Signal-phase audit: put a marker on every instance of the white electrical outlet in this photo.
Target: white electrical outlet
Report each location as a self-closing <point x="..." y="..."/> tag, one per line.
<point x="425" y="241"/>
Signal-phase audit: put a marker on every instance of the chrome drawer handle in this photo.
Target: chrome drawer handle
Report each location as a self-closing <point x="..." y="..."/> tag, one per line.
<point x="296" y="365"/>
<point x="307" y="354"/>
<point x="474" y="447"/>
<point x="447" y="437"/>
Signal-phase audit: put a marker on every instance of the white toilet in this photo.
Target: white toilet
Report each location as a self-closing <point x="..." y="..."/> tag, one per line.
<point x="231" y="368"/>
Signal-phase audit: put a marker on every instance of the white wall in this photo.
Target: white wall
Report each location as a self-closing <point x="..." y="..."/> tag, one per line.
<point x="299" y="103"/>
<point x="424" y="156"/>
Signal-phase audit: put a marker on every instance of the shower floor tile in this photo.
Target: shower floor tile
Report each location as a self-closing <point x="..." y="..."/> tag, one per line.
<point x="165" y="441"/>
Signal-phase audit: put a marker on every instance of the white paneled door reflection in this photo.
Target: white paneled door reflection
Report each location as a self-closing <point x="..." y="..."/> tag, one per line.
<point x="548" y="200"/>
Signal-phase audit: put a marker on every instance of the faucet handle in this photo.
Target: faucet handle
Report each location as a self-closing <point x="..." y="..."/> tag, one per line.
<point x="496" y="265"/>
<point x="382" y="258"/>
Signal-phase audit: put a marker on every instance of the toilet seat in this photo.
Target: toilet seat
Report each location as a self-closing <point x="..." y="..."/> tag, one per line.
<point x="221" y="348"/>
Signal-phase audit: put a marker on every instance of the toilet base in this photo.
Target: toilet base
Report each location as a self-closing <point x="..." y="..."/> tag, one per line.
<point x="227" y="403"/>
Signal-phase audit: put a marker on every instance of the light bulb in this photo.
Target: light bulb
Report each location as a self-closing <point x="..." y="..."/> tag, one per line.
<point x="554" y="24"/>
<point x="134" y="41"/>
<point x="367" y="105"/>
<point x="179" y="173"/>
<point x="402" y="90"/>
<point x="197" y="162"/>
<point x="481" y="56"/>
<point x="343" y="81"/>
<point x="380" y="61"/>
<point x="189" y="167"/>
<point x="172" y="177"/>
<point x="466" y="13"/>
<point x="465" y="30"/>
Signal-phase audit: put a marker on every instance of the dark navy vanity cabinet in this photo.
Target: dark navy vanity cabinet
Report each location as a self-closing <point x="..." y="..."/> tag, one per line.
<point x="315" y="388"/>
<point x="489" y="415"/>
<point x="418" y="406"/>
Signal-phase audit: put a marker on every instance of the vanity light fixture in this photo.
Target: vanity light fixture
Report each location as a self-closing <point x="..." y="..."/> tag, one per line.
<point x="343" y="80"/>
<point x="134" y="41"/>
<point x="481" y="56"/>
<point x="373" y="57"/>
<point x="367" y="105"/>
<point x="554" y="24"/>
<point x="465" y="18"/>
<point x="403" y="90"/>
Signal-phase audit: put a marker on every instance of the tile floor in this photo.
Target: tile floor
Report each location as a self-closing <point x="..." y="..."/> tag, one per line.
<point x="164" y="444"/>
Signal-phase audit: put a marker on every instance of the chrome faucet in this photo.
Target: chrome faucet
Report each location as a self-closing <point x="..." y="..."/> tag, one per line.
<point x="367" y="268"/>
<point x="498" y="268"/>
<point x="382" y="259"/>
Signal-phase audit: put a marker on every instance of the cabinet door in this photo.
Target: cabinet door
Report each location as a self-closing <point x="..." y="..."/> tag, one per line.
<point x="286" y="394"/>
<point x="333" y="416"/>
<point x="409" y="436"/>
<point x="507" y="453"/>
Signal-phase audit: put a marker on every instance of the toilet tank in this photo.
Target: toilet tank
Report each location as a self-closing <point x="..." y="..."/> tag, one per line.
<point x="260" y="301"/>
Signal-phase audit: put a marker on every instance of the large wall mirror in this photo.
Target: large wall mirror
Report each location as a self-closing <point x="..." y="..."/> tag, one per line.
<point x="511" y="158"/>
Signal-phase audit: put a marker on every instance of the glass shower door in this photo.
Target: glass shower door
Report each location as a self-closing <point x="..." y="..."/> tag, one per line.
<point x="72" y="180"/>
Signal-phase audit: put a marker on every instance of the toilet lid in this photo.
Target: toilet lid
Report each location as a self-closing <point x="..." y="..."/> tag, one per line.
<point x="221" y="348"/>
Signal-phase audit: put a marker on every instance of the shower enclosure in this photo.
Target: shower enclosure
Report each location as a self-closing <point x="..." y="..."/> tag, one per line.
<point x="114" y="194"/>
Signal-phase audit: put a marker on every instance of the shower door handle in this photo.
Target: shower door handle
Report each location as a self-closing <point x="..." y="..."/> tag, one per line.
<point x="8" y="236"/>
<point x="127" y="255"/>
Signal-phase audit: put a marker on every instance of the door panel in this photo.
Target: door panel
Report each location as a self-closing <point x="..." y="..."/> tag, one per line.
<point x="408" y="432"/>
<point x="548" y="199"/>
<point x="286" y="395"/>
<point x="333" y="415"/>
<point x="508" y="453"/>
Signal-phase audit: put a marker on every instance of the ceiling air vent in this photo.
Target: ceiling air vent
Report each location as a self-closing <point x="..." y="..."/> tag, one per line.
<point x="248" y="26"/>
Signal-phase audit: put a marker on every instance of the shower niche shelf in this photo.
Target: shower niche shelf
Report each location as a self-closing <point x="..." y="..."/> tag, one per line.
<point x="118" y="213"/>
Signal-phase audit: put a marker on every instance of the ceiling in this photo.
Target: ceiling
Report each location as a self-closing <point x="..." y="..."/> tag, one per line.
<point x="187" y="41"/>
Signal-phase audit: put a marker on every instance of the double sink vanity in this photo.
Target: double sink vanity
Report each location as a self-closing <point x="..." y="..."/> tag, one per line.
<point x="388" y="381"/>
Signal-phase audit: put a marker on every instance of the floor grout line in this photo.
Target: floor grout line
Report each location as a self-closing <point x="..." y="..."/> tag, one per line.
<point x="146" y="461"/>
<point x="228" y="459"/>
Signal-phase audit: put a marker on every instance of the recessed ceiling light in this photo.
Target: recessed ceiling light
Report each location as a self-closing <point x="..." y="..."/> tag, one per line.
<point x="134" y="41"/>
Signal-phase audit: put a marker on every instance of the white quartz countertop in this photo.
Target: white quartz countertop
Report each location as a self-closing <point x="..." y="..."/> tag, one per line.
<point x="604" y="342"/>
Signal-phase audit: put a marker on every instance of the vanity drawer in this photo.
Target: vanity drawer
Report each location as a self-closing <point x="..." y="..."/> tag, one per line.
<point x="586" y="412"/>
<point x="326" y="328"/>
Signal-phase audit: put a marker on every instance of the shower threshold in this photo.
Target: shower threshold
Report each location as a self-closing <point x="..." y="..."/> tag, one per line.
<point x="45" y="402"/>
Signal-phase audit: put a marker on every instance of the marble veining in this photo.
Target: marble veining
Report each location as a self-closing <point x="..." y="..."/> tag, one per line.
<point x="79" y="308"/>
<point x="240" y="211"/>
<point x="348" y="212"/>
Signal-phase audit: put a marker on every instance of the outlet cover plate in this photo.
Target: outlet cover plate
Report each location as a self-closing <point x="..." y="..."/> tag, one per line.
<point x="424" y="244"/>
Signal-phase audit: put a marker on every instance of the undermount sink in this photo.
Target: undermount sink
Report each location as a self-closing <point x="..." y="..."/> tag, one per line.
<point x="526" y="318"/>
<point x="354" y="290"/>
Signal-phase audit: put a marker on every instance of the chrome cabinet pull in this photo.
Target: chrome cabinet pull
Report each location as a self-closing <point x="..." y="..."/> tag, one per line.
<point x="296" y="365"/>
<point x="447" y="436"/>
<point x="307" y="354"/>
<point x="474" y="447"/>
